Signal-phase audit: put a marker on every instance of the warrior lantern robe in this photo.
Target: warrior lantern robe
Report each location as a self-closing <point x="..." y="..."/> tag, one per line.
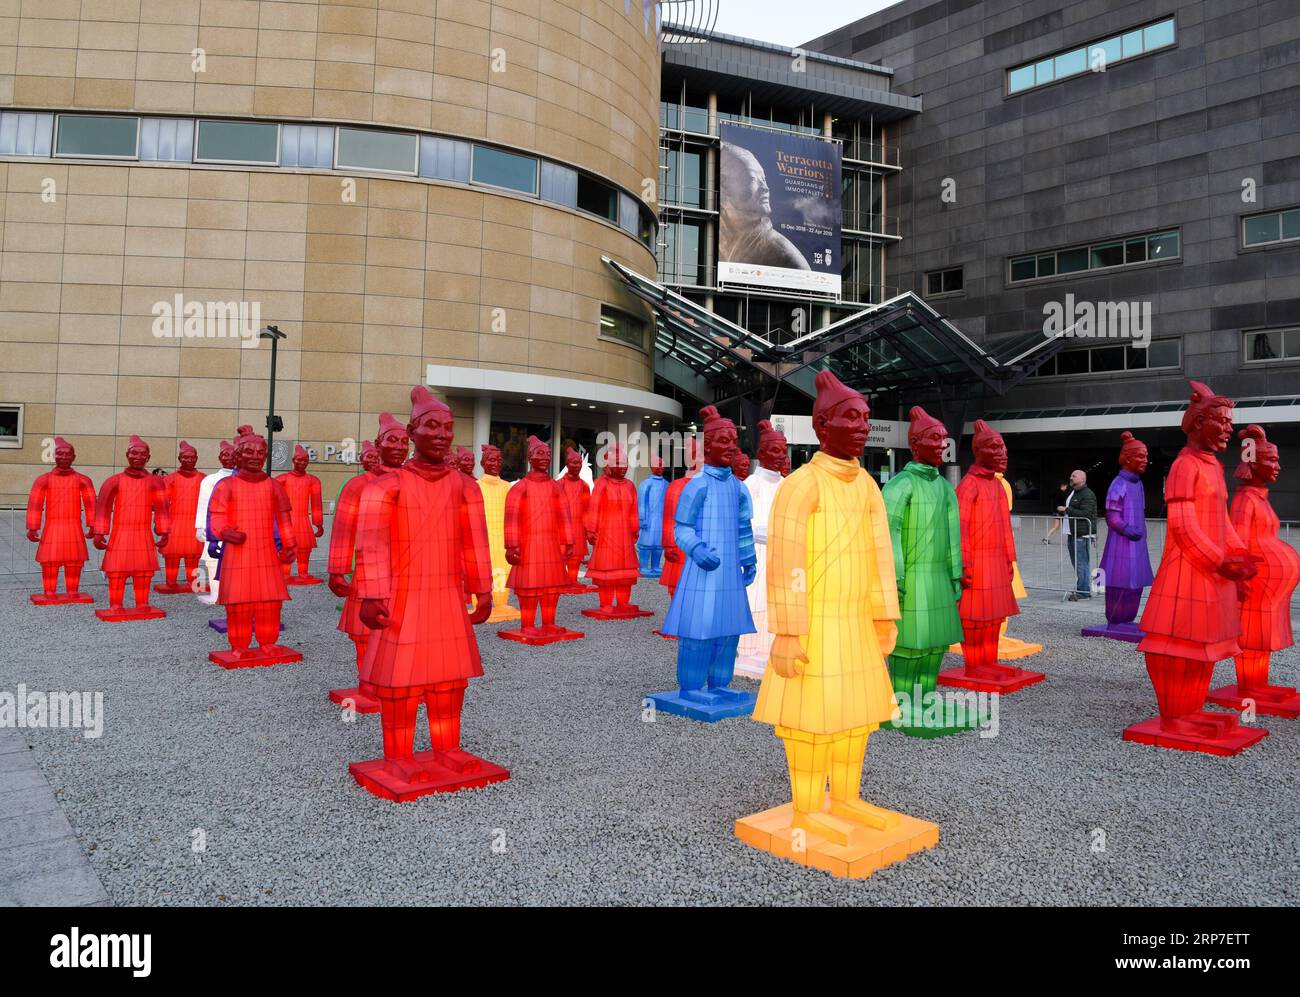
<point x="304" y="499"/>
<point x="1266" y="613"/>
<point x="925" y="529"/>
<point x="830" y="581"/>
<point x="250" y="571"/>
<point x="988" y="549"/>
<point x="612" y="516"/>
<point x="762" y="486"/>
<point x="63" y="498"/>
<point x="421" y="534"/>
<point x="494" y="492"/>
<point x="538" y="523"/>
<point x="126" y="512"/>
<point x="650" y="511"/>
<point x="183" y="503"/>
<point x="1125" y="563"/>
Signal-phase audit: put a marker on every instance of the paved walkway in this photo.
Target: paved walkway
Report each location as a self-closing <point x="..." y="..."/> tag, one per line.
<point x="41" y="863"/>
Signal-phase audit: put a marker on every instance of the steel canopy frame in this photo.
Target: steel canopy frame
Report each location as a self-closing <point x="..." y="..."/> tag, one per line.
<point x="927" y="350"/>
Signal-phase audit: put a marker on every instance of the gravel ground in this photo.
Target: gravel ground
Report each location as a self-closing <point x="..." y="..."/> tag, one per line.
<point x="605" y="808"/>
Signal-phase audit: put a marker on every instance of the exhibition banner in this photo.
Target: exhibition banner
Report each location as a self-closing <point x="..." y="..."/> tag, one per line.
<point x="780" y="211"/>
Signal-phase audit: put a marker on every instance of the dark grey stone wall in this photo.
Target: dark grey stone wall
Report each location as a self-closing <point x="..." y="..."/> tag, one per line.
<point x="1161" y="141"/>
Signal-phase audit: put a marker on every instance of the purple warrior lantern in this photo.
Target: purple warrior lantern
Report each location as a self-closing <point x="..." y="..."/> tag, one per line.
<point x="1125" y="563"/>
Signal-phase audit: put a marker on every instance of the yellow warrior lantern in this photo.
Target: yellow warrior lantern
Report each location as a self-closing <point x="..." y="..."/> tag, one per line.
<point x="832" y="606"/>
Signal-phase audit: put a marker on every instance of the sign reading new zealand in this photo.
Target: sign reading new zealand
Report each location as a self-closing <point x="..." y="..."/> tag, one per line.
<point x="780" y="224"/>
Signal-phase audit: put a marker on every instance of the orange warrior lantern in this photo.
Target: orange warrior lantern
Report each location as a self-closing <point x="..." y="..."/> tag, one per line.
<point x="1266" y="610"/>
<point x="832" y="606"/>
<point x="421" y="534"/>
<point x="131" y="506"/>
<point x="55" y="506"/>
<point x="1193" y="614"/>
<point x="303" y="490"/>
<point x="988" y="557"/>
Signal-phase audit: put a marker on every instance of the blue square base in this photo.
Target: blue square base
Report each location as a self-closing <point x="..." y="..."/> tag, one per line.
<point x="737" y="703"/>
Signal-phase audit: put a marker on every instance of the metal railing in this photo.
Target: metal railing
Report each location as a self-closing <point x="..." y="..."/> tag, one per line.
<point x="18" y="554"/>
<point x="1047" y="566"/>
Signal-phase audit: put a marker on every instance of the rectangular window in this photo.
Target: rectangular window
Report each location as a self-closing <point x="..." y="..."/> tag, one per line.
<point x="97" y="136"/>
<point x="310" y="146"/>
<point x="238" y="142"/>
<point x="1107" y="359"/>
<point x="505" y="169"/>
<point x="1072" y="362"/>
<point x="1072" y="261"/>
<point x="629" y="214"/>
<point x="1099" y="256"/>
<point x="380" y="152"/>
<point x="26" y="133"/>
<point x="167" y="140"/>
<point x="1276" y="226"/>
<point x="1163" y="353"/>
<point x="621" y="326"/>
<point x="444" y="159"/>
<point x="11" y="427"/>
<point x="1272" y="344"/>
<point x="1023" y="268"/>
<point x="950" y="281"/>
<point x="597" y="197"/>
<point x="1096" y="56"/>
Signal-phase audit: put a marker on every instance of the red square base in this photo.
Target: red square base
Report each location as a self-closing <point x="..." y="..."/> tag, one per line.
<point x="128" y="614"/>
<point x="177" y="589"/>
<point x="1234" y="739"/>
<point x="361" y="703"/>
<point x="1014" y="679"/>
<point x="535" y="638"/>
<point x="470" y="772"/>
<point x="1275" y="701"/>
<point x="256" y="657"/>
<point x="61" y="598"/>
<point x="617" y="613"/>
<point x="302" y="580"/>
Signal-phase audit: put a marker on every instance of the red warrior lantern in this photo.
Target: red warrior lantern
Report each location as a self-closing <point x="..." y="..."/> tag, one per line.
<point x="60" y="497"/>
<point x="132" y="506"/>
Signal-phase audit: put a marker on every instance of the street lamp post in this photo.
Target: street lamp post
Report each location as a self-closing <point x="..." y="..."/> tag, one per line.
<point x="273" y="421"/>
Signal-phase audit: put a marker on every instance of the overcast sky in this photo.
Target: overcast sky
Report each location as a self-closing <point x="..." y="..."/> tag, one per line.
<point x="787" y="23"/>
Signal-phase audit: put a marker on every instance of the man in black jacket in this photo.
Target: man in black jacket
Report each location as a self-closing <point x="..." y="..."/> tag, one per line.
<point x="1080" y="511"/>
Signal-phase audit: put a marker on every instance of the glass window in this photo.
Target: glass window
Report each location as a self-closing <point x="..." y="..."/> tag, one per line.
<point x="1132" y="43"/>
<point x="1135" y="251"/>
<point x="1162" y="353"/>
<point x="1048" y="368"/>
<point x="1020" y="79"/>
<point x="559" y="184"/>
<point x="629" y="213"/>
<point x="11" y="422"/>
<point x="444" y="159"/>
<point x="1291" y="342"/>
<point x="505" y="169"/>
<point x="1047" y="265"/>
<point x="1265" y="345"/>
<point x="953" y="280"/>
<point x="1071" y="63"/>
<point x="1261" y="229"/>
<point x="1107" y="358"/>
<point x="933" y="281"/>
<point x="1163" y="246"/>
<point x="1023" y="268"/>
<point x="670" y="115"/>
<point x="597" y="197"/>
<point x="1072" y="260"/>
<point x="626" y="328"/>
<point x="100" y="135"/>
<point x="1109" y="254"/>
<point x="167" y="140"/>
<point x="1102" y="54"/>
<point x="1072" y="362"/>
<point x="1291" y="224"/>
<point x="1043" y="72"/>
<point x="238" y="142"/>
<point x="1158" y="35"/>
<point x="1136" y="358"/>
<point x="307" y="145"/>
<point x="386" y="152"/>
<point x="25" y="133"/>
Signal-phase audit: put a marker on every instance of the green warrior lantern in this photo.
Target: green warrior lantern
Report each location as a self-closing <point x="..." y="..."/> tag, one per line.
<point x="925" y="529"/>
